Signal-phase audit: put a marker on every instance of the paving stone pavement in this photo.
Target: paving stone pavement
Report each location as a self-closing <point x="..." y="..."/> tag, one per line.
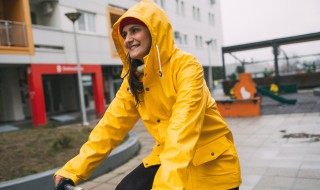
<point x="268" y="161"/>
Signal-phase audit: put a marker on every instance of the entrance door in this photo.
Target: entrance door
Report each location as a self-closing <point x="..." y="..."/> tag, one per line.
<point x="60" y="94"/>
<point x="52" y="94"/>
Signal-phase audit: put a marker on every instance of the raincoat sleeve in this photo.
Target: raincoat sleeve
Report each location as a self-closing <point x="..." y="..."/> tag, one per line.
<point x="117" y="121"/>
<point x="184" y="128"/>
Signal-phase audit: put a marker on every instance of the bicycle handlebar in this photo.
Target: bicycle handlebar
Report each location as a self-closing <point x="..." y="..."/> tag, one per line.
<point x="67" y="184"/>
<point x="70" y="187"/>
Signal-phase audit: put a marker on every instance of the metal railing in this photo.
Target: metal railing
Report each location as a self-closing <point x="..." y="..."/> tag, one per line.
<point x="13" y="34"/>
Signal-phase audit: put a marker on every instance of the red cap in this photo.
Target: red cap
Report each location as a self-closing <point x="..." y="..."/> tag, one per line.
<point x="130" y="20"/>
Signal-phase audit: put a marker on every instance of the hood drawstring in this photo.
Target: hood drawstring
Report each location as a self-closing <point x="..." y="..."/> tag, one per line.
<point x="159" y="62"/>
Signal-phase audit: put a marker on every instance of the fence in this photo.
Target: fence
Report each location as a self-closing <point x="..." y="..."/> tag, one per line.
<point x="13" y="34"/>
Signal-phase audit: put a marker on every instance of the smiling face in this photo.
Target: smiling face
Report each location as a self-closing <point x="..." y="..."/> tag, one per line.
<point x="137" y="40"/>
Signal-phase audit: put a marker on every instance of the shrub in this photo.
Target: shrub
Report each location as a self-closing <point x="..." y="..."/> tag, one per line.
<point x="62" y="142"/>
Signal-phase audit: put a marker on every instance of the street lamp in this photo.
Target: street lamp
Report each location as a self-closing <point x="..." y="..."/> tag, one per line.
<point x="210" y="68"/>
<point x="74" y="16"/>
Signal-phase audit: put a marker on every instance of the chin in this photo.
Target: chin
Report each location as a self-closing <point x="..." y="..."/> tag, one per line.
<point x="135" y="57"/>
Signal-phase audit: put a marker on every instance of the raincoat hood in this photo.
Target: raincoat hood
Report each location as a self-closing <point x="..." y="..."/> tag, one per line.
<point x="157" y="22"/>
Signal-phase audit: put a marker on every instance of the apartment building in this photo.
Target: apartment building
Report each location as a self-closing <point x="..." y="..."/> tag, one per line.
<point x="38" y="55"/>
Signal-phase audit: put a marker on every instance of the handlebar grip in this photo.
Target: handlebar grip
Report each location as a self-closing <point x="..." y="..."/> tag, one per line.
<point x="67" y="184"/>
<point x="70" y="187"/>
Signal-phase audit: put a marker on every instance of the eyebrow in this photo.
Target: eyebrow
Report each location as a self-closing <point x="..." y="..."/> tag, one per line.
<point x="134" y="26"/>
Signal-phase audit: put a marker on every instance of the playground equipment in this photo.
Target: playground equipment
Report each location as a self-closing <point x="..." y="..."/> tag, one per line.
<point x="276" y="97"/>
<point x="247" y="102"/>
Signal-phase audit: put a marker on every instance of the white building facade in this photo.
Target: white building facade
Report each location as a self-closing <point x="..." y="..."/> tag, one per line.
<point x="38" y="56"/>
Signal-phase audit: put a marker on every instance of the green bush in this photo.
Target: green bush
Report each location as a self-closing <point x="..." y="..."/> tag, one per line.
<point x="62" y="142"/>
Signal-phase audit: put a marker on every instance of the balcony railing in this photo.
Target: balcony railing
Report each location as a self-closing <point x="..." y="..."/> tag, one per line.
<point x="13" y="34"/>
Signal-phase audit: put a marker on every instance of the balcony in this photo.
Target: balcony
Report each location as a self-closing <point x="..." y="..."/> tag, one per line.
<point x="13" y="34"/>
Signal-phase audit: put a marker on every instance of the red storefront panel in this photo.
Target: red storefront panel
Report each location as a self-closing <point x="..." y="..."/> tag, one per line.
<point x="35" y="73"/>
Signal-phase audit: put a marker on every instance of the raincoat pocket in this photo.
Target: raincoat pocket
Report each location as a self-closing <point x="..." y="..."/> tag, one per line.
<point x="211" y="151"/>
<point x="218" y="158"/>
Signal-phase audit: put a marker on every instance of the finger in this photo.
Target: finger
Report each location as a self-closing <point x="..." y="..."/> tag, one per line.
<point x="57" y="179"/>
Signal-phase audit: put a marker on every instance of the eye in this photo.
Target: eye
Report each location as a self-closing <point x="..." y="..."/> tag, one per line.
<point x="134" y="30"/>
<point x="124" y="35"/>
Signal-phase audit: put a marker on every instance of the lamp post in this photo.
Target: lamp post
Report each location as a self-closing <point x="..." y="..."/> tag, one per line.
<point x="74" y="16"/>
<point x="210" y="68"/>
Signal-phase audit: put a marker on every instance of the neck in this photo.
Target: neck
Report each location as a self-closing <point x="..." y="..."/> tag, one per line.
<point x="140" y="69"/>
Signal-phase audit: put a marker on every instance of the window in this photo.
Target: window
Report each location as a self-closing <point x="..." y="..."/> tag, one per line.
<point x="162" y="3"/>
<point x="197" y="40"/>
<point x="186" y="39"/>
<point x="180" y="38"/>
<point x="177" y="37"/>
<point x="214" y="44"/>
<point x="34" y="18"/>
<point x="177" y="7"/>
<point x="196" y="13"/>
<point x="212" y="2"/>
<point x="86" y="22"/>
<point x="211" y="19"/>
<point x="182" y="8"/>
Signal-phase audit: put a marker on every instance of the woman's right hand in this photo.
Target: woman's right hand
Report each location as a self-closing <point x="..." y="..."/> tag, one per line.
<point x="57" y="179"/>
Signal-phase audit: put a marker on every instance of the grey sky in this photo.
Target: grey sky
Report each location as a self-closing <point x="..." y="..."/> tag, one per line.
<point x="247" y="21"/>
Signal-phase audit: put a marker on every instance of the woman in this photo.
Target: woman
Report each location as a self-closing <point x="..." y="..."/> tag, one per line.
<point x="163" y="86"/>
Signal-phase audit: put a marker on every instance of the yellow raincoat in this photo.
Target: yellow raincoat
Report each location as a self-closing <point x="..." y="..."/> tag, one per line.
<point x="193" y="142"/>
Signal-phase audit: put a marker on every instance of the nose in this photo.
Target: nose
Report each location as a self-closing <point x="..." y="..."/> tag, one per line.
<point x="128" y="39"/>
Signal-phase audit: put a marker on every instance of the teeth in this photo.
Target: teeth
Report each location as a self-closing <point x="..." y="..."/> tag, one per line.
<point x="133" y="46"/>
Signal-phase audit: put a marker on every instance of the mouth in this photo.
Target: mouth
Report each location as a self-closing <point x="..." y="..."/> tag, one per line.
<point x="133" y="47"/>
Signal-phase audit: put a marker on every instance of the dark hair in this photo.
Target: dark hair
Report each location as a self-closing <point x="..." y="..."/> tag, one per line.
<point x="136" y="86"/>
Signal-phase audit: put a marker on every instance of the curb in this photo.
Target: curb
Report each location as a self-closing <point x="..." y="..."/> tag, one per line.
<point x="316" y="91"/>
<point x="44" y="181"/>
